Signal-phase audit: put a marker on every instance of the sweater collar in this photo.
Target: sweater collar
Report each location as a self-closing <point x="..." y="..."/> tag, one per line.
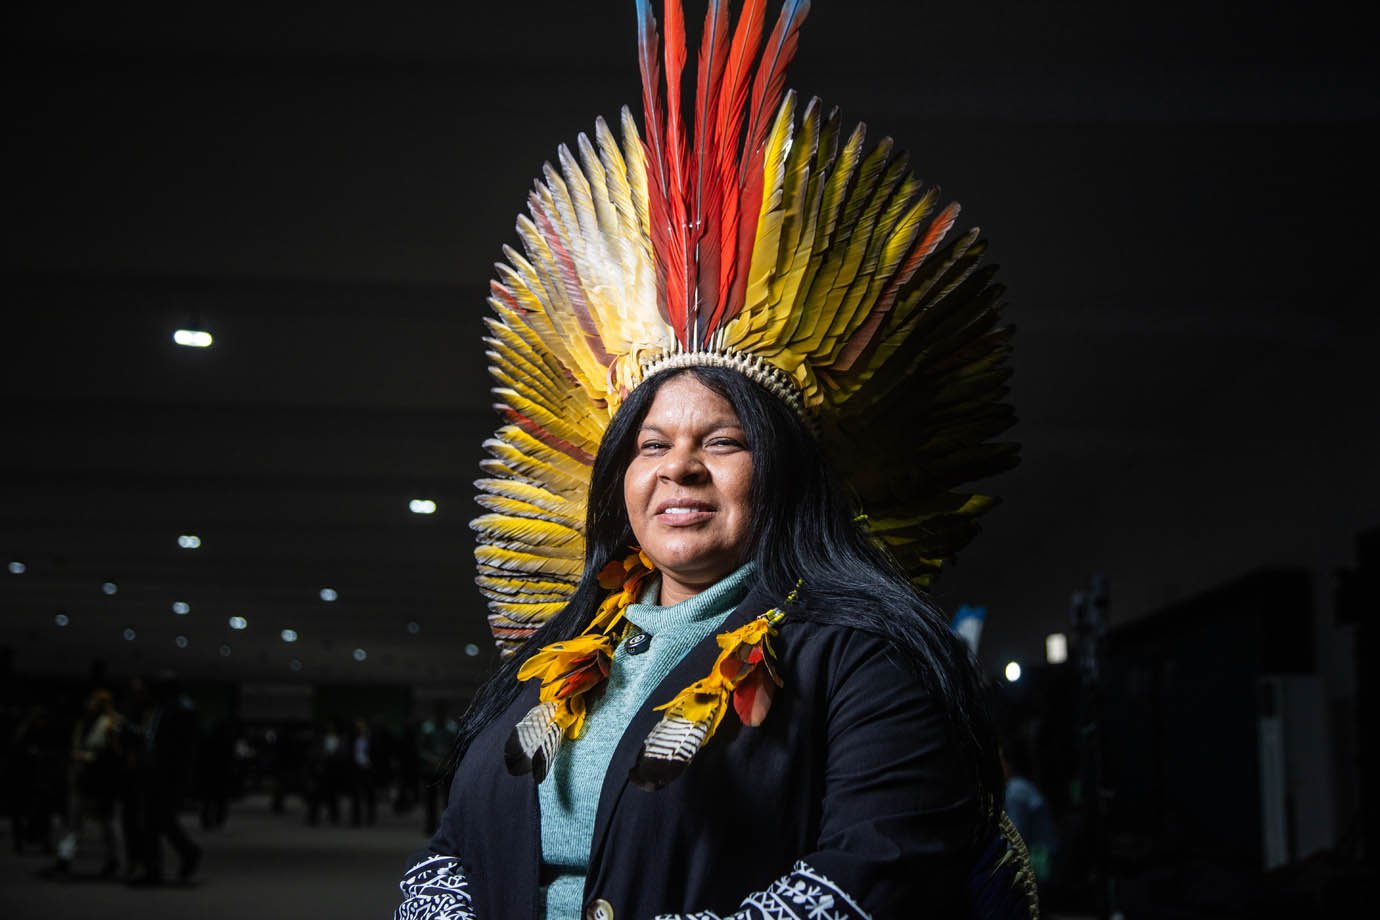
<point x="709" y="606"/>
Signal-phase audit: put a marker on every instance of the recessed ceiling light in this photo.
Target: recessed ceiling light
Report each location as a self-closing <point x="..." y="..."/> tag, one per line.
<point x="18" y="568"/>
<point x="295" y="665"/>
<point x="472" y="650"/>
<point x="413" y="627"/>
<point x="1013" y="671"/>
<point x="61" y="619"/>
<point x="129" y="634"/>
<point x="193" y="338"/>
<point x="239" y="623"/>
<point x="189" y="541"/>
<point x="181" y="608"/>
<point x="181" y="642"/>
<point x="329" y="594"/>
<point x="422" y="506"/>
<point x="225" y="651"/>
<point x="109" y="588"/>
<point x="289" y="635"/>
<point x="359" y="654"/>
<point x="1056" y="648"/>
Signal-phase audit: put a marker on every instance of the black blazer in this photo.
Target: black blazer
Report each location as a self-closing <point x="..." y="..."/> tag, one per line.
<point x="850" y="793"/>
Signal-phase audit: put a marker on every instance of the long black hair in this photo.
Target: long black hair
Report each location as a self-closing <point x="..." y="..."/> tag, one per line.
<point x="803" y="523"/>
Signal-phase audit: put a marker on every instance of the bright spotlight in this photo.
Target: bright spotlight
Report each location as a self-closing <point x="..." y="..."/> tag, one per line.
<point x="1013" y="671"/>
<point x="1056" y="648"/>
<point x="289" y="635"/>
<point x="181" y="608"/>
<point x="422" y="506"/>
<point x="109" y="588"/>
<point x="192" y="338"/>
<point x="359" y="654"/>
<point x="61" y="619"/>
<point x="239" y="623"/>
<point x="189" y="541"/>
<point x="329" y="594"/>
<point x="18" y="568"/>
<point x="472" y="650"/>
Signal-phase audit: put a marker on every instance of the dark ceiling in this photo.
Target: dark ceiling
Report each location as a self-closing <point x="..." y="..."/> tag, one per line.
<point x="1181" y="195"/>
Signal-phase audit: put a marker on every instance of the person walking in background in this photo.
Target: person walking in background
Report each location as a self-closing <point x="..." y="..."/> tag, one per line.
<point x="136" y="708"/>
<point x="434" y="739"/>
<point x="171" y="740"/>
<point x="1029" y="811"/>
<point x="325" y="769"/>
<point x="361" y="776"/>
<point x="93" y="779"/>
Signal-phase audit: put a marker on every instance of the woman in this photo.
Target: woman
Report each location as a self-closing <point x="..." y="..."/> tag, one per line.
<point x="724" y="696"/>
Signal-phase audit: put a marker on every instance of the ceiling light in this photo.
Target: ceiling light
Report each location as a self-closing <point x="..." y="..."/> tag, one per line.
<point x="295" y="665"/>
<point x="1056" y="648"/>
<point x="239" y="623"/>
<point x="422" y="506"/>
<point x="192" y="338"/>
<point x="359" y="654"/>
<point x="18" y="568"/>
<point x="289" y="635"/>
<point x="181" y="642"/>
<point x="1013" y="671"/>
<point x="181" y="608"/>
<point x="413" y="627"/>
<point x="129" y="634"/>
<point x="472" y="650"/>
<point x="329" y="594"/>
<point x="225" y="651"/>
<point x="61" y="619"/>
<point x="109" y="588"/>
<point x="189" y="541"/>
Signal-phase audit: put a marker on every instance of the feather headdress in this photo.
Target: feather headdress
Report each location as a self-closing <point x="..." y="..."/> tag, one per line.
<point x="751" y="232"/>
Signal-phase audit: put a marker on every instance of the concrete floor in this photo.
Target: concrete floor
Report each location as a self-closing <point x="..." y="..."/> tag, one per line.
<point x="260" y="866"/>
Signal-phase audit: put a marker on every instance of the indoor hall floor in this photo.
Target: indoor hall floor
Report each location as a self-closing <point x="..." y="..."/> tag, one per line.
<point x="259" y="866"/>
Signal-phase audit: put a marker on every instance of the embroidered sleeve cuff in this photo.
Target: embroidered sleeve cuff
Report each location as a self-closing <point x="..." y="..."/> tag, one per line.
<point x="435" y="889"/>
<point x="804" y="894"/>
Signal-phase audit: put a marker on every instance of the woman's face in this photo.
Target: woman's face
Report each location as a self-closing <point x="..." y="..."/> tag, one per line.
<point x="687" y="488"/>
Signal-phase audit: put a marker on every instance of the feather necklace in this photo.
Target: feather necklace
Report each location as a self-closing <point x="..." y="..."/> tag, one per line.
<point x="745" y="670"/>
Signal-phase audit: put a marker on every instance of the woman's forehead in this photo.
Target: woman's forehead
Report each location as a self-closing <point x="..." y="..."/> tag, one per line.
<point x="685" y="400"/>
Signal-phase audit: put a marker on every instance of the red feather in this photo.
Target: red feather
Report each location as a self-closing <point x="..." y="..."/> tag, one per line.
<point x="752" y="699"/>
<point x="680" y="256"/>
<point x="770" y="84"/>
<point x="703" y="202"/>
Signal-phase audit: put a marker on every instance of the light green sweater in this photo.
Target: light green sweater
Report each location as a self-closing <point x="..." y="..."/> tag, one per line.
<point x="569" y="797"/>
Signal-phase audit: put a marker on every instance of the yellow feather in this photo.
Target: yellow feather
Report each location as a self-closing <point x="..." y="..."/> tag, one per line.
<point x="511" y="560"/>
<point x="509" y="463"/>
<point x="509" y="497"/>
<point x="584" y="432"/>
<point x="773" y="211"/>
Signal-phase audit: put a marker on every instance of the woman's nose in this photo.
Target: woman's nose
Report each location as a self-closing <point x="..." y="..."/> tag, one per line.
<point x="683" y="465"/>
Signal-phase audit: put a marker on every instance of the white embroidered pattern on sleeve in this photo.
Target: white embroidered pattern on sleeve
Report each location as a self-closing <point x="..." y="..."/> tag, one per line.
<point x="435" y="889"/>
<point x="804" y="894"/>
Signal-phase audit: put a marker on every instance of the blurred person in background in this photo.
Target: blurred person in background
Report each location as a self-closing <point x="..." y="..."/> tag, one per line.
<point x="363" y="801"/>
<point x="93" y="780"/>
<point x="171" y="737"/>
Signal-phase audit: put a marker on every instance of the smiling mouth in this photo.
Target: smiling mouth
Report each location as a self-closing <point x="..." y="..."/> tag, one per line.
<point x="680" y="513"/>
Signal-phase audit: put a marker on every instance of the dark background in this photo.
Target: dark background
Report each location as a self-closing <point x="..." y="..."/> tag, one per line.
<point x="1181" y="196"/>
